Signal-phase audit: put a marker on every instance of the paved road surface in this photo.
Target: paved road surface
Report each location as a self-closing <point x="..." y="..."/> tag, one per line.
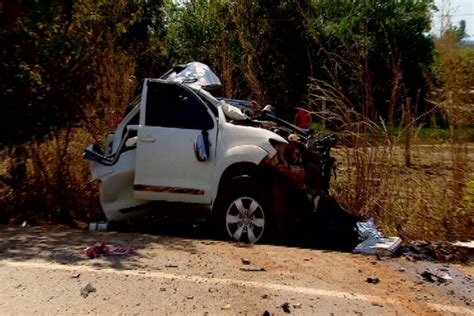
<point x="42" y="270"/>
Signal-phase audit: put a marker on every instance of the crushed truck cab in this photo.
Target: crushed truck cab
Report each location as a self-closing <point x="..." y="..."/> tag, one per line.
<point x="182" y="152"/>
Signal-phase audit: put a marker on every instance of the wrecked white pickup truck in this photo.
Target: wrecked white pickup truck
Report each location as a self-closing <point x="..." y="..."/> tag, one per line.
<point x="182" y="152"/>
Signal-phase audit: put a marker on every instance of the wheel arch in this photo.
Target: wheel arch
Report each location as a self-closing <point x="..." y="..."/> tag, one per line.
<point x="242" y="169"/>
<point x="235" y="158"/>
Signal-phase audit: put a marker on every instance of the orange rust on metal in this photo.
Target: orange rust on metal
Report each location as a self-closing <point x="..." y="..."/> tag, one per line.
<point x="296" y="174"/>
<point x="163" y="189"/>
<point x="269" y="160"/>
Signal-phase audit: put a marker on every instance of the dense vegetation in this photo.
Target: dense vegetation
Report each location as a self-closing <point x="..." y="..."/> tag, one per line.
<point x="68" y="70"/>
<point x="56" y="55"/>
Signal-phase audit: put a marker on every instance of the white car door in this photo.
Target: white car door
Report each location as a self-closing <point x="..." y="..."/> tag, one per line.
<point x="171" y="118"/>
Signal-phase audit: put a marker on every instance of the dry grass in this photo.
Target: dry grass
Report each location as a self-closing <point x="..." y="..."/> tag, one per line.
<point x="47" y="181"/>
<point x="420" y="200"/>
<point x="417" y="202"/>
<point x="414" y="191"/>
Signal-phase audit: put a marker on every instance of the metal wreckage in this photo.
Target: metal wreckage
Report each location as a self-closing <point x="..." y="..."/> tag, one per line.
<point x="182" y="152"/>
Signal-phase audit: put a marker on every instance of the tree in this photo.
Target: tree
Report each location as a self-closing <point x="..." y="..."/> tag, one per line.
<point x="275" y="59"/>
<point x="460" y="30"/>
<point x="53" y="53"/>
<point x="372" y="49"/>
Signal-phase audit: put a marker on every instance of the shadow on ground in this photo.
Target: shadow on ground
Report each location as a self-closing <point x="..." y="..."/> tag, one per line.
<point x="338" y="238"/>
<point x="66" y="246"/>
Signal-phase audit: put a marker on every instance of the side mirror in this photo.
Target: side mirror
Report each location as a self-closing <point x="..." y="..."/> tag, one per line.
<point x="201" y="147"/>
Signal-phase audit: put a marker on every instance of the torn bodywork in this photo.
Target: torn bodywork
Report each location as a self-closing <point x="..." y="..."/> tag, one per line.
<point x="305" y="160"/>
<point x="302" y="171"/>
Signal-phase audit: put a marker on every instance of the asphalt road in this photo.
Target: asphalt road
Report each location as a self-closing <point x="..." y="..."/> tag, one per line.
<point x="44" y="269"/>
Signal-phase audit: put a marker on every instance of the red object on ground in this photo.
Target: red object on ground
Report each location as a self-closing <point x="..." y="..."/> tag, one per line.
<point x="101" y="248"/>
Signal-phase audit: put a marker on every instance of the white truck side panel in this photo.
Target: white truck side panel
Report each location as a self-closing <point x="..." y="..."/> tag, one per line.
<point x="116" y="187"/>
<point x="238" y="144"/>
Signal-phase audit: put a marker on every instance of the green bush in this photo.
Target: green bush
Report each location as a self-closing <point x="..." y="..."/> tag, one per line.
<point x="467" y="203"/>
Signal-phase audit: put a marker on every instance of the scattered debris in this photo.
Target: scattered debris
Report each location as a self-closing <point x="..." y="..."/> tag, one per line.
<point x="420" y="297"/>
<point x="436" y="277"/>
<point x="297" y="305"/>
<point x="373" y="280"/>
<point x="380" y="246"/>
<point x="445" y="276"/>
<point x="101" y="248"/>
<point x="75" y="276"/>
<point x="245" y="261"/>
<point x="286" y="308"/>
<point x="466" y="248"/>
<point x="374" y="242"/>
<point x="24" y="224"/>
<point x="264" y="296"/>
<point x="89" y="288"/>
<point x="428" y="276"/>
<point x="368" y="230"/>
<point x="98" y="226"/>
<point x="401" y="269"/>
<point x="226" y="307"/>
<point x="253" y="269"/>
<point x="171" y="266"/>
<point x="377" y="304"/>
<point x="443" y="251"/>
<point x="464" y="244"/>
<point x="190" y="297"/>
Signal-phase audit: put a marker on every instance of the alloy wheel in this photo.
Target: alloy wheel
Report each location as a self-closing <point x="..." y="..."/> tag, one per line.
<point x="245" y="220"/>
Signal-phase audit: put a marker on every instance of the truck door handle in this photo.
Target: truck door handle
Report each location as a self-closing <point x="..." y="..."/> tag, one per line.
<point x="147" y="139"/>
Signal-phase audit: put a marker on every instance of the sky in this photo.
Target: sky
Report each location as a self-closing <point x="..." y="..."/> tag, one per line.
<point x="458" y="10"/>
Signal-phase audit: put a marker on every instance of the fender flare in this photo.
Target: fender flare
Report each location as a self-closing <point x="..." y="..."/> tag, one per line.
<point x="239" y="154"/>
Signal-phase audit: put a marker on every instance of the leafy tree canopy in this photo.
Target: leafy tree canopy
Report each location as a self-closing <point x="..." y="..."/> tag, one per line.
<point x="57" y="56"/>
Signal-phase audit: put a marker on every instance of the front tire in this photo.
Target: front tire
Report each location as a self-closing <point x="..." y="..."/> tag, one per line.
<point x="244" y="211"/>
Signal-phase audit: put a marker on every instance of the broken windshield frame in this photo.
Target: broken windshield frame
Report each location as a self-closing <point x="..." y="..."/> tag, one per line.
<point x="209" y="100"/>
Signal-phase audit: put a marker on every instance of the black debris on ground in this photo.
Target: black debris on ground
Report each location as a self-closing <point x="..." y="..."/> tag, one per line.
<point x="89" y="288"/>
<point x="443" y="251"/>
<point x="286" y="308"/>
<point x="373" y="280"/>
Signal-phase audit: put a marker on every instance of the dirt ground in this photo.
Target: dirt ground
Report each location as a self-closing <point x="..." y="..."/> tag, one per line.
<point x="43" y="270"/>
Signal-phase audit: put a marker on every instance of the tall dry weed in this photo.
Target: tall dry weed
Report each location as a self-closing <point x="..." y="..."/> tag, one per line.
<point x="115" y="88"/>
<point x="365" y="171"/>
<point x="47" y="180"/>
<point x="416" y="192"/>
<point x="454" y="96"/>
